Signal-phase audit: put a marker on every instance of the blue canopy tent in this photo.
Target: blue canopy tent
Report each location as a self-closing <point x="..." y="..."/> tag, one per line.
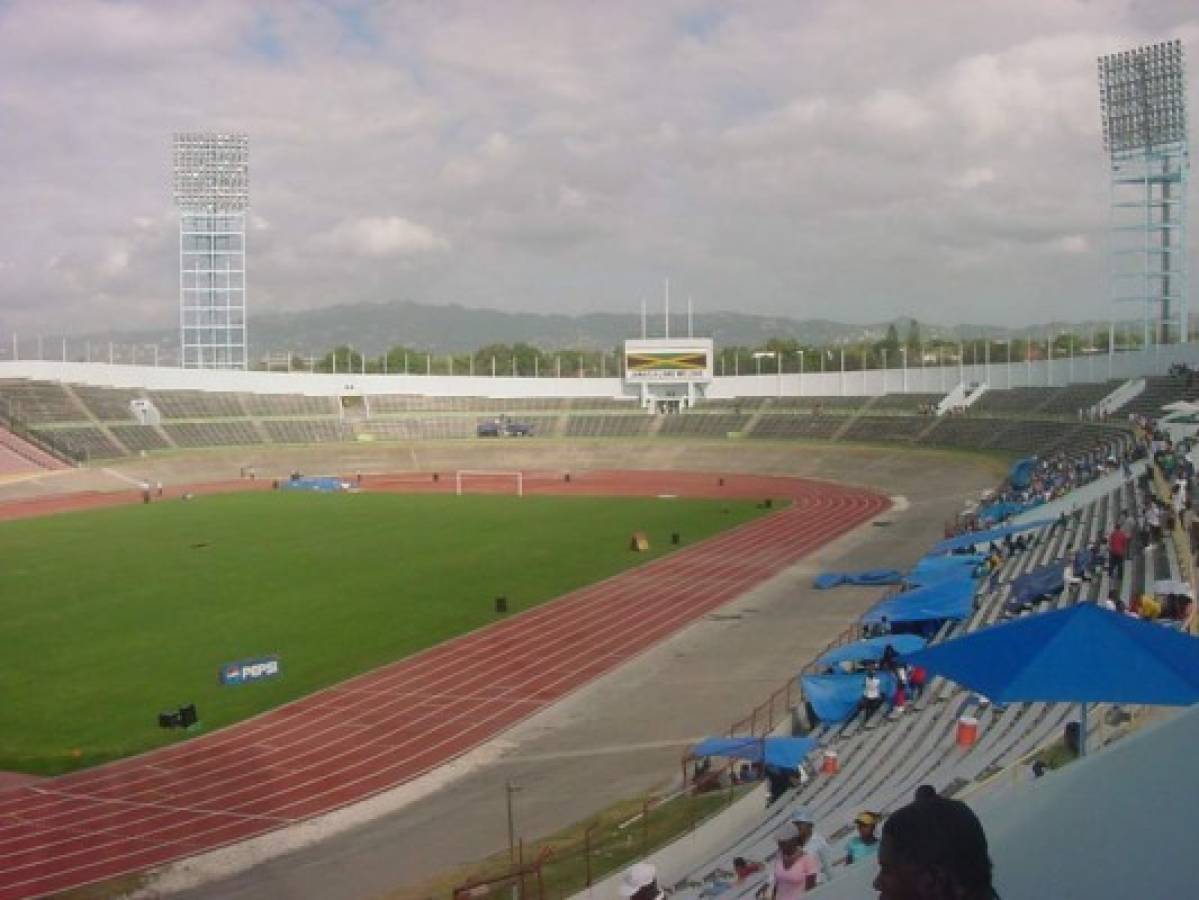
<point x="1081" y="654"/>
<point x="781" y="752"/>
<point x="870" y="649"/>
<point x="950" y="599"/>
<point x="826" y="580"/>
<point x="972" y="538"/>
<point x="939" y="568"/>
<point x="834" y="698"/>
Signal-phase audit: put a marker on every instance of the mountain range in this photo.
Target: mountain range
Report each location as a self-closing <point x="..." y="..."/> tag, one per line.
<point x="373" y="327"/>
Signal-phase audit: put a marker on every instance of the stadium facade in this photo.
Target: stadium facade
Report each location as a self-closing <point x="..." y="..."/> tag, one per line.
<point x="953" y="381"/>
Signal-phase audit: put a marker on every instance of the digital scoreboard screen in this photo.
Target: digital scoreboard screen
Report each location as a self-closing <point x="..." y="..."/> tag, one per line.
<point x="667" y="364"/>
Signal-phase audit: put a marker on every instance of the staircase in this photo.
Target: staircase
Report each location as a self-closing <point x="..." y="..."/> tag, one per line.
<point x="19" y="455"/>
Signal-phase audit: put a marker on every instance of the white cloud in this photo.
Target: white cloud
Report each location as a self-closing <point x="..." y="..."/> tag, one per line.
<point x="895" y="110"/>
<point x="573" y="153"/>
<point x="1070" y="244"/>
<point x="115" y="262"/>
<point x="973" y="177"/>
<point x="380" y="237"/>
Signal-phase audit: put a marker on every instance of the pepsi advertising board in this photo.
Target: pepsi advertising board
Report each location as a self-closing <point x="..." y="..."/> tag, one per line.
<point x="247" y="670"/>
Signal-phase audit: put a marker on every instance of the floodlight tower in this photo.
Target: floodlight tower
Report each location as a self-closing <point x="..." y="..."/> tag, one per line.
<point x="212" y="192"/>
<point x="1142" y="99"/>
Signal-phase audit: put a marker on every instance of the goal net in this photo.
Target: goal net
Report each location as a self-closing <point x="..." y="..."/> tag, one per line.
<point x="488" y="480"/>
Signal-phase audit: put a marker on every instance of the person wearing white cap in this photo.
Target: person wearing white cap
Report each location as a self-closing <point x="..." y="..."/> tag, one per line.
<point x="640" y="882"/>
<point x="794" y="872"/>
<point x="813" y="842"/>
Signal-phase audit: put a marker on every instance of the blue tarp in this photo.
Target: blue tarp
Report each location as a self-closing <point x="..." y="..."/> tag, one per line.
<point x="985" y="537"/>
<point x="826" y="580"/>
<point x="939" y="568"/>
<point x="952" y="599"/>
<point x="1021" y="474"/>
<point x="783" y="752"/>
<point x="1081" y="654"/>
<point x="1002" y="510"/>
<point x="871" y="648"/>
<point x="834" y="698"/>
<point x="318" y="483"/>
<point x="1040" y="582"/>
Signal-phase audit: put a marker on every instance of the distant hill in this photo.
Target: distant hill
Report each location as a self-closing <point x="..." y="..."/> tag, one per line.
<point x="372" y="328"/>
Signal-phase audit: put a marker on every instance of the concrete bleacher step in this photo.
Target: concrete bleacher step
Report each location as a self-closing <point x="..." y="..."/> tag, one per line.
<point x="37" y="458"/>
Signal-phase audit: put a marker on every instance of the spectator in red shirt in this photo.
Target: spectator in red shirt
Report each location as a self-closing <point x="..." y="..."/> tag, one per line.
<point x="1117" y="551"/>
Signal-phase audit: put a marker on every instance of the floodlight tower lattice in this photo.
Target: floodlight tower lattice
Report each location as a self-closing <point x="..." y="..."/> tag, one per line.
<point x="212" y="193"/>
<point x="1142" y="101"/>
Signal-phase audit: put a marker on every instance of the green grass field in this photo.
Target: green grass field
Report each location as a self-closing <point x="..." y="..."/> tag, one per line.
<point x="111" y="615"/>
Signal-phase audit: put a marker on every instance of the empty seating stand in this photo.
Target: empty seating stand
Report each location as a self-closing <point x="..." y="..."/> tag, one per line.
<point x="628" y="425"/>
<point x="80" y="442"/>
<point x="211" y="434"/>
<point x="138" y="438"/>
<point x="107" y="404"/>
<point x="1161" y="390"/>
<point x="196" y="404"/>
<point x="796" y="425"/>
<point x="38" y="402"/>
<point x="702" y="424"/>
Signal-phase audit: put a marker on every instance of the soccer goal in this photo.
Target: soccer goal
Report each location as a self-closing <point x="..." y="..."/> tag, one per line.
<point x="489" y="477"/>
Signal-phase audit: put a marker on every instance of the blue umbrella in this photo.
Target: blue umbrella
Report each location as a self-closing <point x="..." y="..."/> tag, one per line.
<point x="1081" y="654"/>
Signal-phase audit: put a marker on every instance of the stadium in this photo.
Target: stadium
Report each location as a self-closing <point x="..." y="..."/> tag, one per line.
<point x="647" y="633"/>
<point x="184" y="441"/>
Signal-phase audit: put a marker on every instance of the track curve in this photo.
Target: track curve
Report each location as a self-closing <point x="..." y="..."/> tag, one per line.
<point x="392" y="724"/>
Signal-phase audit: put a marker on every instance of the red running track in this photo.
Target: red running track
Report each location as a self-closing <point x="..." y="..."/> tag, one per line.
<point x="390" y="725"/>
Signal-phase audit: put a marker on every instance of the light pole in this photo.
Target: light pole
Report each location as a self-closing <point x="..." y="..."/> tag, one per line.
<point x="509" y="790"/>
<point x="904" y="354"/>
<point x="884" y="349"/>
<point x="775" y="355"/>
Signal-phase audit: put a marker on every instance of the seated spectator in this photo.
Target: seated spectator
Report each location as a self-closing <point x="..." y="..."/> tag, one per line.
<point x="899" y="700"/>
<point x="640" y="882"/>
<point x="1176" y="607"/>
<point x="744" y="868"/>
<point x="934" y="849"/>
<point x="1145" y="607"/>
<point x="865" y="842"/>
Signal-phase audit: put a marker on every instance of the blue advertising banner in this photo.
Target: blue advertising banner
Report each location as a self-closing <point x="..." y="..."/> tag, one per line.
<point x="247" y="670"/>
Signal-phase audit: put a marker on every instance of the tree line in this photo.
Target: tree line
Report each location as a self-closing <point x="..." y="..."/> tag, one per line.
<point x="786" y="355"/>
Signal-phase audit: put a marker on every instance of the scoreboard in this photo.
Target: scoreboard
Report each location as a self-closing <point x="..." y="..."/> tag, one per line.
<point x="668" y="361"/>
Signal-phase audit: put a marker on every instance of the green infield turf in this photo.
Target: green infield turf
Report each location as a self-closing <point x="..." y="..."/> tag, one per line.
<point x="112" y="615"/>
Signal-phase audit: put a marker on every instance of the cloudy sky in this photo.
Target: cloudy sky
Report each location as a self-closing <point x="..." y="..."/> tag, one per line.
<point x="851" y="160"/>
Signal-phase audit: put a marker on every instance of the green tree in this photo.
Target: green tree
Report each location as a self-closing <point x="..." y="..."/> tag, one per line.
<point x="913" y="341"/>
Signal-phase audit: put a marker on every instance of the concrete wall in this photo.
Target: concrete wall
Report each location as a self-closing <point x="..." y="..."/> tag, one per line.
<point x="930" y="380"/>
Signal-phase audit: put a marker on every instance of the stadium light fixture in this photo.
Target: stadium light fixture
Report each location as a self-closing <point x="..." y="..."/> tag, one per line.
<point x="1142" y="98"/>
<point x="1142" y="102"/>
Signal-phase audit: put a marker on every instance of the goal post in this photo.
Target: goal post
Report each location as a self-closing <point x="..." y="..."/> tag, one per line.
<point x="490" y="475"/>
